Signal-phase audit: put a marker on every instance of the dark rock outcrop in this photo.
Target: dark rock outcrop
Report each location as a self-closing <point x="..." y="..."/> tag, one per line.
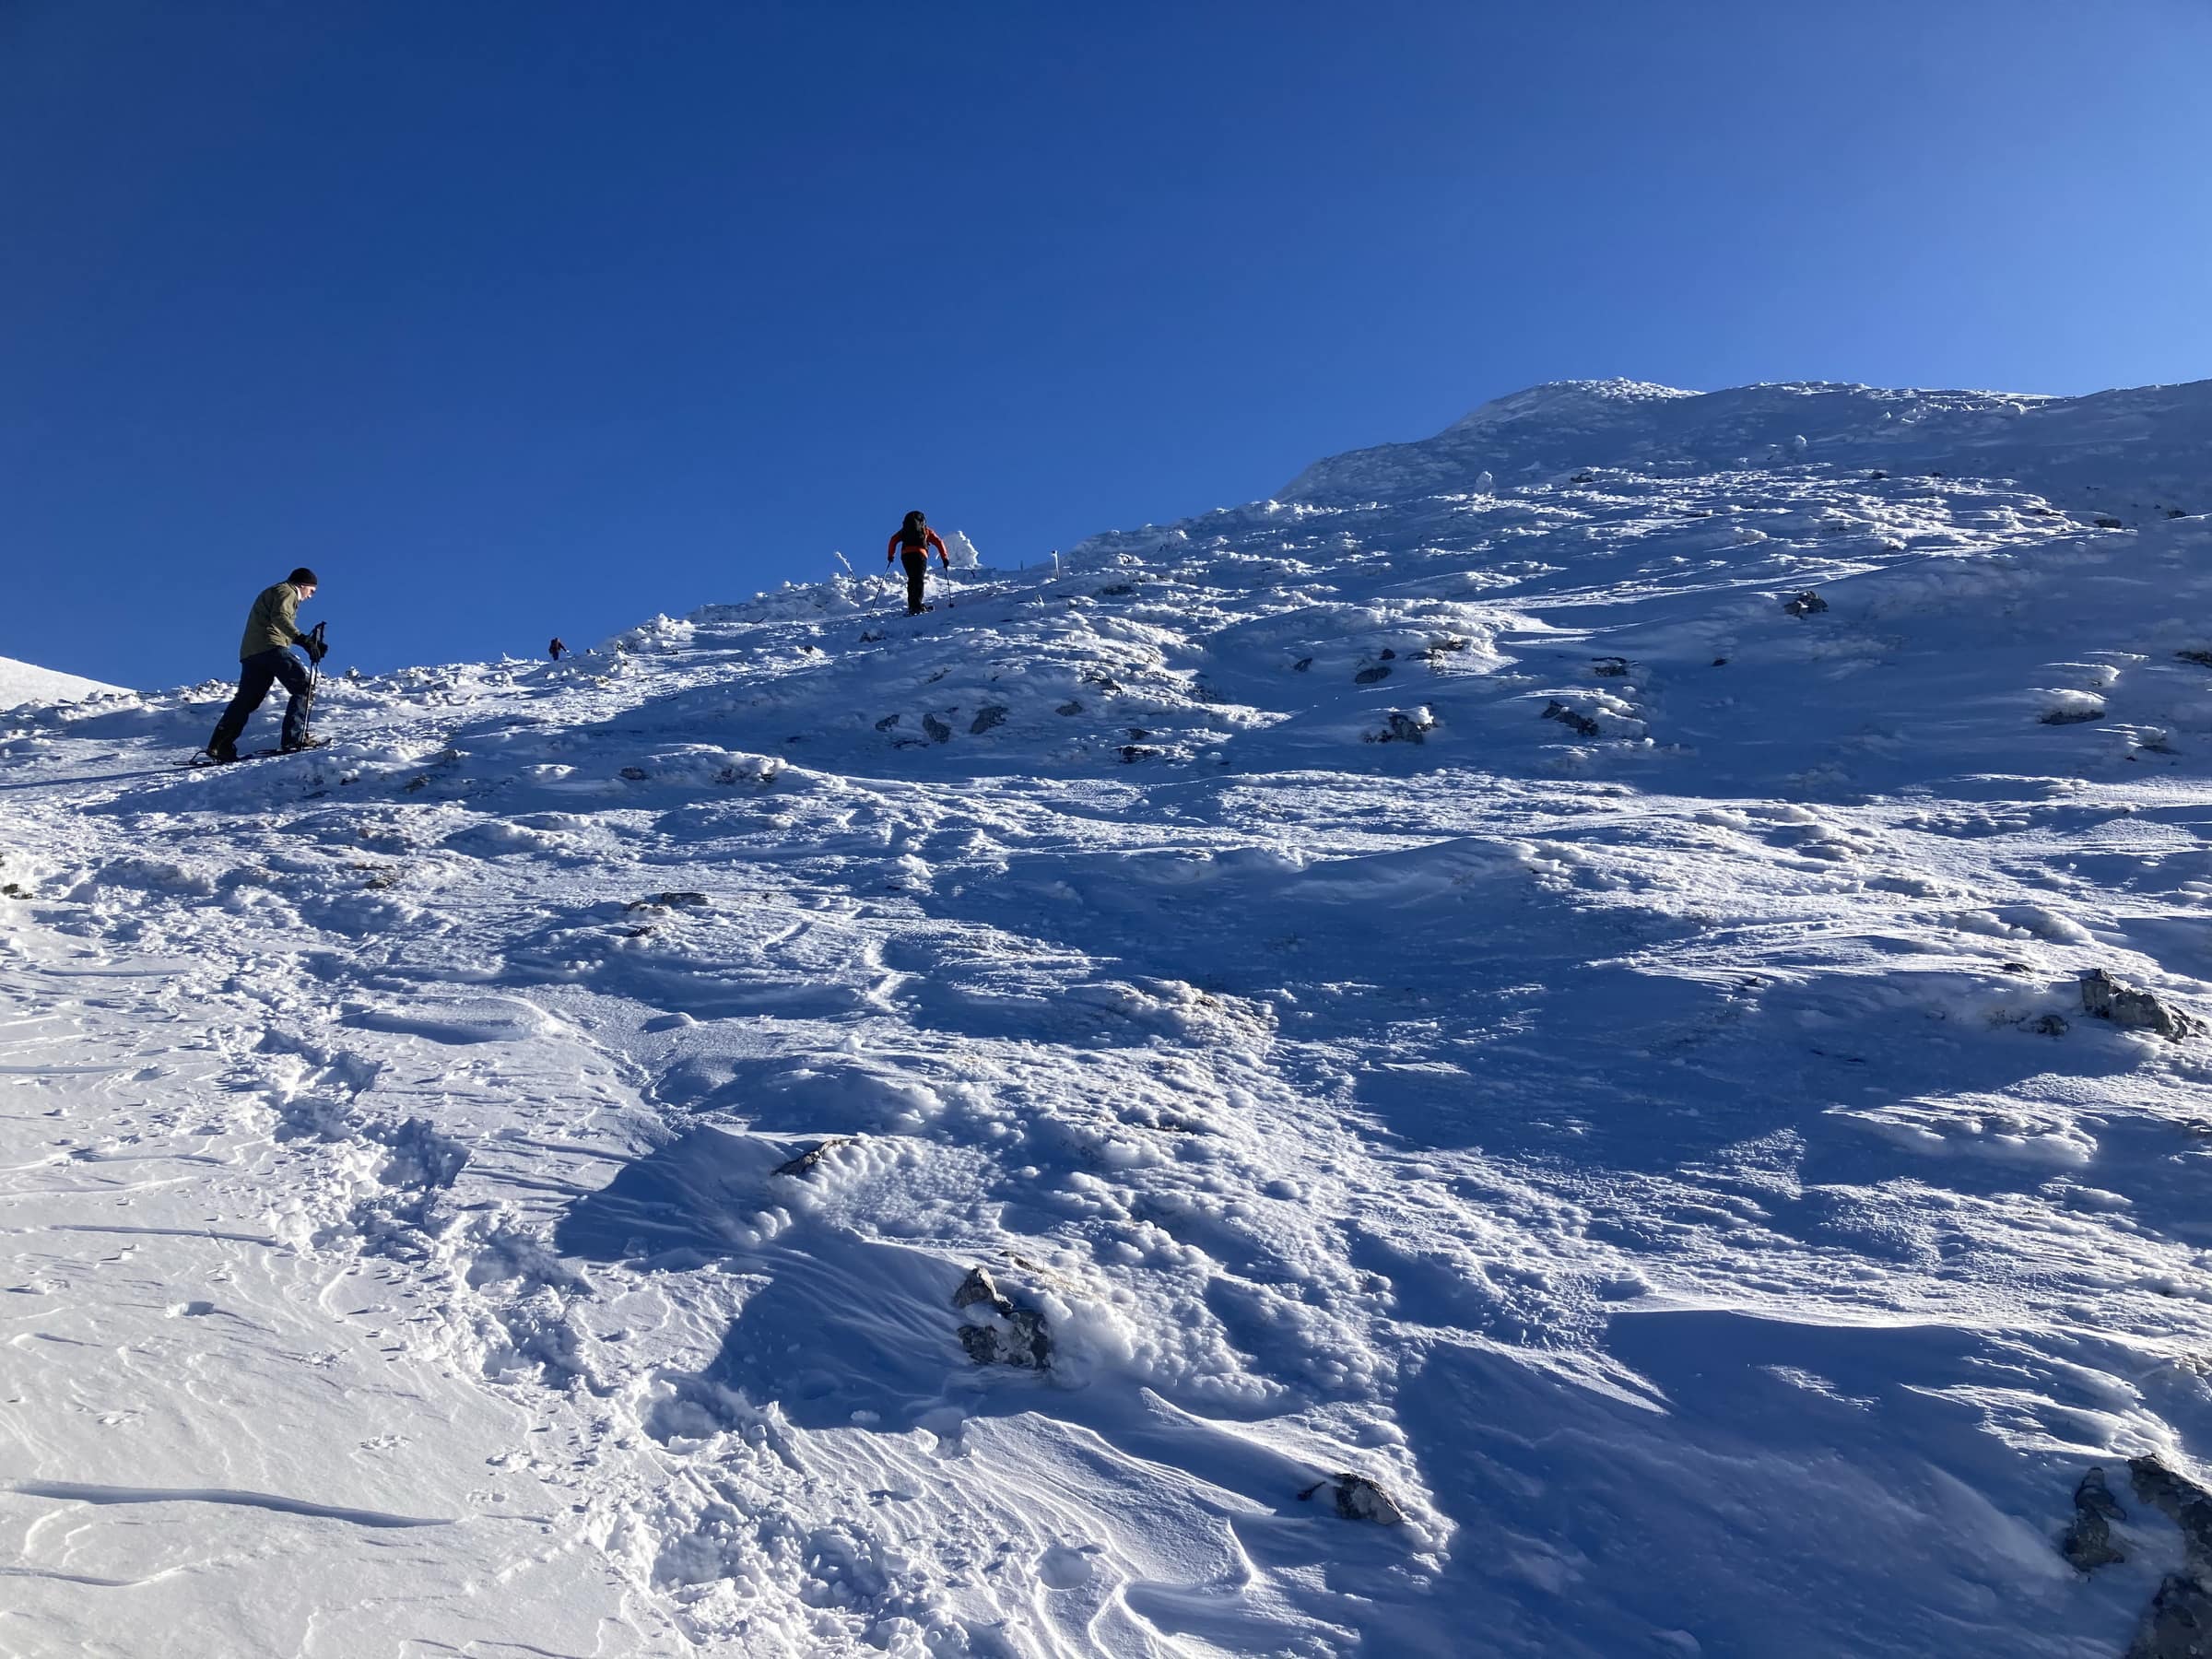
<point x="1402" y="727"/>
<point x="1574" y="720"/>
<point x="1008" y="1334"/>
<point x="2179" y="1624"/>
<point x="2088" y="1540"/>
<point x="667" y="902"/>
<point x="1359" y="1498"/>
<point x="2107" y="999"/>
<point x="803" y="1164"/>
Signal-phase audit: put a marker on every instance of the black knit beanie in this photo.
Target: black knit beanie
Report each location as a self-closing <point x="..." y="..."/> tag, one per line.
<point x="303" y="577"/>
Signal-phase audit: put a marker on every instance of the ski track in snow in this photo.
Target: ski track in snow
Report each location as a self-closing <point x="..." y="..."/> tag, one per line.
<point x="1456" y="986"/>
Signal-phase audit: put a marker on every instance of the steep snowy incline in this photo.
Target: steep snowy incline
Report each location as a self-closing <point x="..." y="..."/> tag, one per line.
<point x="27" y="683"/>
<point x="1513" y="1062"/>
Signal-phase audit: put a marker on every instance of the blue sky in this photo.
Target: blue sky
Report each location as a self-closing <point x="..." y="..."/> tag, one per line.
<point x="523" y="318"/>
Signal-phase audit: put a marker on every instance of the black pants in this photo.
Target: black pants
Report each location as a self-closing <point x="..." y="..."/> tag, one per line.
<point x="255" y="675"/>
<point x="917" y="566"/>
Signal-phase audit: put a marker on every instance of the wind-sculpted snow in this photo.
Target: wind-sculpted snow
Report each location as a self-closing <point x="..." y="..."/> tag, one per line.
<point x="1514" y="1087"/>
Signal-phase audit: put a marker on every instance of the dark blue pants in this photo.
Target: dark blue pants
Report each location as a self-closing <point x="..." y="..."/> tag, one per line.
<point x="255" y="675"/>
<point x="917" y="566"/>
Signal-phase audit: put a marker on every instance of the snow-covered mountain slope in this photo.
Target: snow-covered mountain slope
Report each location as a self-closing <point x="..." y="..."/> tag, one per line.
<point x="27" y="683"/>
<point x="1464" y="990"/>
<point x="2135" y="454"/>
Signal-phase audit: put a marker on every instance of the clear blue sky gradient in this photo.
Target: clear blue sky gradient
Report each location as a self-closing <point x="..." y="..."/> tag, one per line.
<point x="523" y="318"/>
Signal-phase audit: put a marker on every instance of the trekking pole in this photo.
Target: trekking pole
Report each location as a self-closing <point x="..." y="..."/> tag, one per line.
<point x="314" y="684"/>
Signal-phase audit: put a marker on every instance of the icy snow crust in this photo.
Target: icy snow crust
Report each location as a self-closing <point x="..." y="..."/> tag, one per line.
<point x="1364" y="972"/>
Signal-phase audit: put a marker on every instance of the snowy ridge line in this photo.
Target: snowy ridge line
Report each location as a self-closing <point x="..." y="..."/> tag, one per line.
<point x="1339" y="1074"/>
<point x="2130" y="451"/>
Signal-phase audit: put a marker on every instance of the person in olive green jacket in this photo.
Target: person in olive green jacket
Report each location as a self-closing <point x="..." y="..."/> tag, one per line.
<point x="265" y="656"/>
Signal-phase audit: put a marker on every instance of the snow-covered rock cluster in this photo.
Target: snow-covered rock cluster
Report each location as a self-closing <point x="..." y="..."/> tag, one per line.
<point x="1442" y="1064"/>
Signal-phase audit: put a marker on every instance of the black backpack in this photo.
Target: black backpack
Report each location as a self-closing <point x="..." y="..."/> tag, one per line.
<point x="915" y="537"/>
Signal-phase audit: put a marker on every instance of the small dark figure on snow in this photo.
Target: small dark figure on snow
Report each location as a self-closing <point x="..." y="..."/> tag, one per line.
<point x="555" y="649"/>
<point x="265" y="656"/>
<point x="910" y="546"/>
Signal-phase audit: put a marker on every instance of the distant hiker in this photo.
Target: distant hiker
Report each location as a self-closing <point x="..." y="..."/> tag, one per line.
<point x="265" y="656"/>
<point x="910" y="546"/>
<point x="555" y="649"/>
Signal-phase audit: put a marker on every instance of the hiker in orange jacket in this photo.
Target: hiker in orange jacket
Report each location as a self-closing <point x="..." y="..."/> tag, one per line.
<point x="910" y="545"/>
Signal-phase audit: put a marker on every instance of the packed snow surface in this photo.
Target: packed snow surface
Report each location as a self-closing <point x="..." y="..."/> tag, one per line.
<point x="1512" y="1054"/>
<point x="27" y="683"/>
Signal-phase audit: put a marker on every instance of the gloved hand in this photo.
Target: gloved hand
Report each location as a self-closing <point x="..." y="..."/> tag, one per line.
<point x="316" y="651"/>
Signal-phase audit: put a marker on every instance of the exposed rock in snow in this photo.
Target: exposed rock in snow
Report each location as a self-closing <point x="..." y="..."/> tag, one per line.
<point x="2088" y="1540"/>
<point x="2179" y="1624"/>
<point x="998" y="1331"/>
<point x="807" y="1161"/>
<point x="2107" y="999"/>
<point x="1400" y="725"/>
<point x="668" y="901"/>
<point x="2064" y="706"/>
<point x="1573" y="719"/>
<point x="1359" y="1498"/>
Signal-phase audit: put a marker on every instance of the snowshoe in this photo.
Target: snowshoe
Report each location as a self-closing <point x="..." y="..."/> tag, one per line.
<point x="205" y="758"/>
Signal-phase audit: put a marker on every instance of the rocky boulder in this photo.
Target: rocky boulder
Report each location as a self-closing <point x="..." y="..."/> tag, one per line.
<point x="2107" y="999"/>
<point x="1359" y="1498"/>
<point x="995" y="1330"/>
